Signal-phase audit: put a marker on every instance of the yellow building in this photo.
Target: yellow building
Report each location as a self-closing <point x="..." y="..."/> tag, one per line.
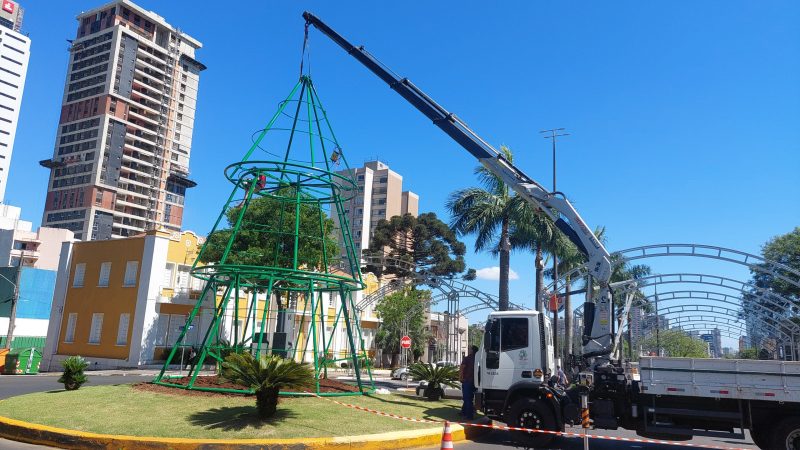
<point x="122" y="302"/>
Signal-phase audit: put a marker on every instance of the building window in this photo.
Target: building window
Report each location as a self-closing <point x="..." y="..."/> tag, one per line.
<point x="131" y="269"/>
<point x="105" y="274"/>
<point x="383" y="180"/>
<point x="69" y="336"/>
<point x="97" y="328"/>
<point x="80" y="270"/>
<point x="122" y="331"/>
<point x="168" y="271"/>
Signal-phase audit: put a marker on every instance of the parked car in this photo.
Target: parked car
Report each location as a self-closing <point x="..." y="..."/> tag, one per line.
<point x="448" y="391"/>
<point x="401" y="373"/>
<point x="446" y="363"/>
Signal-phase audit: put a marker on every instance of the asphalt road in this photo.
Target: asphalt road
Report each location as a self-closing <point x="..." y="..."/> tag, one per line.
<point x="503" y="440"/>
<point x="11" y="385"/>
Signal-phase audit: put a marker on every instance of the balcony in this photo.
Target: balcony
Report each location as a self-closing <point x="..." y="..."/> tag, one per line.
<point x="146" y="90"/>
<point x="138" y="157"/>
<point x="143" y="134"/>
<point x="143" y="94"/>
<point x="141" y="114"/>
<point x="149" y="73"/>
<point x="180" y="296"/>
<point x="139" y="146"/>
<point x="143" y="59"/>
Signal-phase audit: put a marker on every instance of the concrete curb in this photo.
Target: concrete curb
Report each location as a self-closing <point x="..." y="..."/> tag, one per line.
<point x="32" y="433"/>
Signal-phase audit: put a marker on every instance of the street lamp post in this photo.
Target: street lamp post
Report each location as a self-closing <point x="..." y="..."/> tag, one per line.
<point x="554" y="134"/>
<point x="14" y="299"/>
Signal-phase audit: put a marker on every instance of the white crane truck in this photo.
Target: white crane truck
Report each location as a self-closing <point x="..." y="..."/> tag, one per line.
<point x="673" y="398"/>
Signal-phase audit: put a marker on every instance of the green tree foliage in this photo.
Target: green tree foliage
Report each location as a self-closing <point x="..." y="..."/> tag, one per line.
<point x="475" y="335"/>
<point x="425" y="242"/>
<point x="676" y="344"/>
<point x="436" y="378"/>
<point x="748" y="353"/>
<point x="266" y="376"/>
<point x="407" y="305"/>
<point x="73" y="376"/>
<point x="785" y="250"/>
<point x="266" y="235"/>
<point x="487" y="213"/>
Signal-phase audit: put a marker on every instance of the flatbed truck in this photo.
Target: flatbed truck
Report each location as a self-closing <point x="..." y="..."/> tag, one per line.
<point x="670" y="398"/>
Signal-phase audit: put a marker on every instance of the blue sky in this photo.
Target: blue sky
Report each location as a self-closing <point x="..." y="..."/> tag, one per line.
<point x="683" y="117"/>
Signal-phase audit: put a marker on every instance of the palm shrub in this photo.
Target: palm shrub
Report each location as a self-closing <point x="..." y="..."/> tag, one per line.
<point x="73" y="376"/>
<point x="266" y="376"/>
<point x="436" y="377"/>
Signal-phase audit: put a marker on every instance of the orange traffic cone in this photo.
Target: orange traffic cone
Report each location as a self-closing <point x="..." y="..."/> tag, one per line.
<point x="447" y="437"/>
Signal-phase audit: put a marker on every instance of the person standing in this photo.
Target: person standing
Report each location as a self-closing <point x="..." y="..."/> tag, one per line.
<point x="467" y="378"/>
<point x="562" y="377"/>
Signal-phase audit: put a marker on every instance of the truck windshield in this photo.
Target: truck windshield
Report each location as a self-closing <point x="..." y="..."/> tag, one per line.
<point x="515" y="333"/>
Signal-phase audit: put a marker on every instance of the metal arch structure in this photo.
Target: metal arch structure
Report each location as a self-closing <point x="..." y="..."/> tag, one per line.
<point x="724" y="282"/>
<point x="709" y="280"/>
<point x="787" y="328"/>
<point x="703" y="328"/>
<point x="748" y="260"/>
<point x="790" y="335"/>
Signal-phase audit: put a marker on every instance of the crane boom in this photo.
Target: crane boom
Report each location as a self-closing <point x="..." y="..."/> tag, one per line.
<point x="597" y="337"/>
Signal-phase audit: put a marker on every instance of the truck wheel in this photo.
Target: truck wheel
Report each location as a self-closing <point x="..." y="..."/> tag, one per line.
<point x="786" y="435"/>
<point x="529" y="413"/>
<point x="760" y="438"/>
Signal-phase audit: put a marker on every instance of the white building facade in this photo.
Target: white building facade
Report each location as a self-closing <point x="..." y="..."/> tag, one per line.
<point x="15" y="49"/>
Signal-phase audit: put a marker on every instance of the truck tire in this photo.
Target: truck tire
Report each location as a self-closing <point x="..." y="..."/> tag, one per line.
<point x="530" y="413"/>
<point x="760" y="437"/>
<point x="786" y="435"/>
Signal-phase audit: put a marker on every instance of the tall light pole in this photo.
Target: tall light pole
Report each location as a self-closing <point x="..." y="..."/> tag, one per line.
<point x="553" y="134"/>
<point x="12" y="318"/>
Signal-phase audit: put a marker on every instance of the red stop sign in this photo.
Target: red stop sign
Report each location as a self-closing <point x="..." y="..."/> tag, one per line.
<point x="405" y="342"/>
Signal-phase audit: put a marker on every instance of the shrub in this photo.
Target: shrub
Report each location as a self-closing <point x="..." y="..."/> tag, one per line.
<point x="266" y="376"/>
<point x="73" y="376"/>
<point x="436" y="378"/>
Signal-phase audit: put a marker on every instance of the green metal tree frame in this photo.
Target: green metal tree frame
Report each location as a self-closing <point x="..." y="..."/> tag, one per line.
<point x="302" y="181"/>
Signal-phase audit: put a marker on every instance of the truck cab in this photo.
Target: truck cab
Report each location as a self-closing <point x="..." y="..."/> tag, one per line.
<point x="512" y="369"/>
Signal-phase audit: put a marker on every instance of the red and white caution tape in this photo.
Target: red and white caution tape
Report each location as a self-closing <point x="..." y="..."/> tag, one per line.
<point x="528" y="430"/>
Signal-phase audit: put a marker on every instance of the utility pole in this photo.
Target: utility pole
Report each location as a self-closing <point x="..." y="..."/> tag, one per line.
<point x="553" y="135"/>
<point x="13" y="316"/>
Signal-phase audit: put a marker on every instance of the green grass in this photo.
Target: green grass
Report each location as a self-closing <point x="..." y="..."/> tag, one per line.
<point x="123" y="410"/>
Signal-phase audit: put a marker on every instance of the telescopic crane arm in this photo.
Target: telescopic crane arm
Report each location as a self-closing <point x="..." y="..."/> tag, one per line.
<point x="598" y="340"/>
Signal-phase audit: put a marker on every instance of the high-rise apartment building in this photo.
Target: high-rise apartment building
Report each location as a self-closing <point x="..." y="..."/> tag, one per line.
<point x="14" y="53"/>
<point x="379" y="196"/>
<point x="121" y="160"/>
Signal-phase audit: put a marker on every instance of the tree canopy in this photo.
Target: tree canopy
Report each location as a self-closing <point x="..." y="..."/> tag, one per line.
<point x="784" y="249"/>
<point x="676" y="344"/>
<point x="425" y="242"/>
<point x="396" y="310"/>
<point x="488" y="212"/>
<point x="266" y="236"/>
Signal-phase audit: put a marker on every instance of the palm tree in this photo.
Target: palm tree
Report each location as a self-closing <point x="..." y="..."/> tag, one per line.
<point x="487" y="213"/>
<point x="266" y="376"/>
<point x="535" y="232"/>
